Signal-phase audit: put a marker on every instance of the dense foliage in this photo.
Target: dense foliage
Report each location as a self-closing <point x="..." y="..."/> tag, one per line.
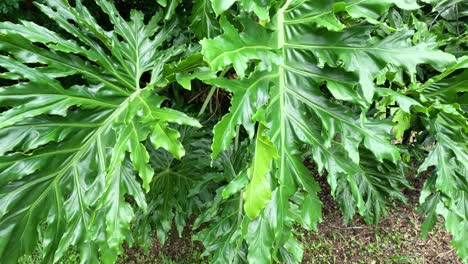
<point x="100" y="142"/>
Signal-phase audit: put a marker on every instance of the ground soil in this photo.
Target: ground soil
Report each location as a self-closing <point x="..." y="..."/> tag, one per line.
<point x="397" y="239"/>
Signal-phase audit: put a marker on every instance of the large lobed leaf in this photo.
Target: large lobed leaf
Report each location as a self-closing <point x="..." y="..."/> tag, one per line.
<point x="313" y="86"/>
<point x="71" y="155"/>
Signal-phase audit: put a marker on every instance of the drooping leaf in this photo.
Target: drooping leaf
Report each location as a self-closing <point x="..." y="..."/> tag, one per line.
<point x="379" y="184"/>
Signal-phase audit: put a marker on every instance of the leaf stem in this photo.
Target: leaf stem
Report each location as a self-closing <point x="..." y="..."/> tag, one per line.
<point x="210" y="94"/>
<point x="236" y="142"/>
<point x="207" y="100"/>
<point x="241" y="207"/>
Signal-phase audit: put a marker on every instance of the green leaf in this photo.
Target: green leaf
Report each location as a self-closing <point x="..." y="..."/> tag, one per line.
<point x="323" y="13"/>
<point x="404" y="102"/>
<point x="313" y="87"/>
<point x="259" y="7"/>
<point x="450" y="158"/>
<point x="226" y="224"/>
<point x="260" y="239"/>
<point x="220" y="6"/>
<point x="223" y="237"/>
<point x="72" y="155"/>
<point x="380" y="185"/>
<point x="445" y="191"/>
<point x="170" y="6"/>
<point x="403" y="121"/>
<point x="255" y="43"/>
<point x="179" y="187"/>
<point x="242" y="109"/>
<point x="258" y="191"/>
<point x="430" y="206"/>
<point x="449" y="90"/>
<point x="203" y="21"/>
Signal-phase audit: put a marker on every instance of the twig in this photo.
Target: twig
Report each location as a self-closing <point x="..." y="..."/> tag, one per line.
<point x="445" y="253"/>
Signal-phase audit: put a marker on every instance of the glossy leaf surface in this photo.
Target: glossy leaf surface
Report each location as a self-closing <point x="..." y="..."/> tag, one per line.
<point x="73" y="153"/>
<point x="307" y="78"/>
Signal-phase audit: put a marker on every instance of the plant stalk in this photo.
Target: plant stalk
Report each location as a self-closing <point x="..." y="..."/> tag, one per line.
<point x="211" y="93"/>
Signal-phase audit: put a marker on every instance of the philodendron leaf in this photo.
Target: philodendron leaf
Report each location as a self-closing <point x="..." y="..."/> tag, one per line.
<point x="255" y="44"/>
<point x="258" y="191"/>
<point x="450" y="158"/>
<point x="220" y="6"/>
<point x="323" y="13"/>
<point x="71" y="155"/>
<point x="446" y="190"/>
<point x="314" y="86"/>
<point x="259" y="7"/>
<point x="203" y="20"/>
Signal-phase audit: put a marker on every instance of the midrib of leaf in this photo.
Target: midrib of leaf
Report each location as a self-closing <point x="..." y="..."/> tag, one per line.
<point x="137" y="57"/>
<point x="66" y="96"/>
<point x="281" y="83"/>
<point x="115" y="219"/>
<point x="80" y="197"/>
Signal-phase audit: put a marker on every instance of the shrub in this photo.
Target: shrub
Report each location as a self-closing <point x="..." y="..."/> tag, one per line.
<point x="97" y="134"/>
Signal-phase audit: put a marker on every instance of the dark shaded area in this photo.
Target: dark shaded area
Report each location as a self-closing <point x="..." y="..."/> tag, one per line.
<point x="179" y="249"/>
